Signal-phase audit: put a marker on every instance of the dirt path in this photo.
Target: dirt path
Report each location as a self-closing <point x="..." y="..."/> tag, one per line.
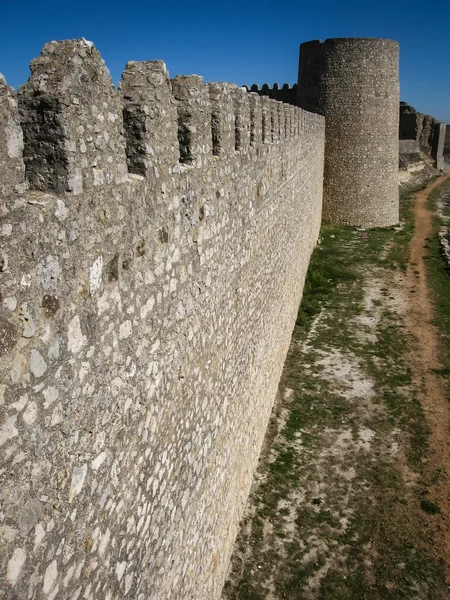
<point x="424" y="357"/>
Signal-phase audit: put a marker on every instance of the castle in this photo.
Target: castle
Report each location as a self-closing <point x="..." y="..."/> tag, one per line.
<point x="155" y="242"/>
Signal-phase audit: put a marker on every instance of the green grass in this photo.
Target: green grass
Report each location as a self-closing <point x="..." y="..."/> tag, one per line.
<point x="328" y="268"/>
<point x="330" y="264"/>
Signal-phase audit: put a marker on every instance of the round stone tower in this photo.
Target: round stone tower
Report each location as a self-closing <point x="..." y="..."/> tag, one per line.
<point x="354" y="83"/>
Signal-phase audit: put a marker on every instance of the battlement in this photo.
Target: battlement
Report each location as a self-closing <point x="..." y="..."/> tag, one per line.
<point x="419" y="132"/>
<point x="79" y="132"/>
<point x="72" y="120"/>
<point x="286" y="93"/>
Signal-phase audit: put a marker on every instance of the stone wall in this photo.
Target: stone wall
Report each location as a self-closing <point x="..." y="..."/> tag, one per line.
<point x="417" y="132"/>
<point x="422" y="132"/>
<point x="150" y="280"/>
<point x="354" y="83"/>
<point x="447" y="141"/>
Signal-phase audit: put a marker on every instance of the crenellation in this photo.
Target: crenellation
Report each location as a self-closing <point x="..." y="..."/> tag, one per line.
<point x="242" y="119"/>
<point x="287" y="121"/>
<point x="426" y="133"/>
<point x="72" y="121"/>
<point x="12" y="167"/>
<point x="283" y="119"/>
<point x="286" y="94"/>
<point x="293" y="113"/>
<point x="274" y="122"/>
<point x="437" y="144"/>
<point x="256" y="132"/>
<point x="266" y="120"/>
<point x="223" y="120"/>
<point x="298" y="116"/>
<point x="150" y="118"/>
<point x="421" y="133"/>
<point x="410" y="123"/>
<point x="194" y="119"/>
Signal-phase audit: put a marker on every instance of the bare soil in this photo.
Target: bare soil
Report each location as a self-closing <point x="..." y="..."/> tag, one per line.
<point x="424" y="358"/>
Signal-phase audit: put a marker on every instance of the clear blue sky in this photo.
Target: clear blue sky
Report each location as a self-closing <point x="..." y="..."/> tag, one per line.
<point x="247" y="41"/>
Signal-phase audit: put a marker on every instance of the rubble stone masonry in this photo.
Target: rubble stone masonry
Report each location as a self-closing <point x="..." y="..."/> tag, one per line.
<point x="150" y="279"/>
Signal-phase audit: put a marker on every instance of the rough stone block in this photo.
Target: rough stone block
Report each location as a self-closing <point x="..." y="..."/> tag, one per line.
<point x="409" y="147"/>
<point x="222" y="118"/>
<point x="255" y="119"/>
<point x="292" y="110"/>
<point x="72" y="120"/>
<point x="266" y="120"/>
<point x="282" y="119"/>
<point x="242" y="119"/>
<point x="194" y="119"/>
<point x="150" y="118"/>
<point x="12" y="167"/>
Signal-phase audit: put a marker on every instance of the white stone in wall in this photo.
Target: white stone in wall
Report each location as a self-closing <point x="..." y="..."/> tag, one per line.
<point x="38" y="366"/>
<point x="76" y="485"/>
<point x="50" y="575"/>
<point x="15" y="565"/>
<point x="75" y="338"/>
<point x="95" y="275"/>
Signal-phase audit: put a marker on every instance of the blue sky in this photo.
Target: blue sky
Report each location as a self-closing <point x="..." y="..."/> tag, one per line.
<point x="244" y="41"/>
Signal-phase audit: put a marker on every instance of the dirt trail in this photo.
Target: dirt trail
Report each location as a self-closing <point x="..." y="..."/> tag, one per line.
<point x="424" y="357"/>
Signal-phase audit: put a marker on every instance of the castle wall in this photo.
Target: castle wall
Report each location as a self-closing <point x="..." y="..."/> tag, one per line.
<point x="150" y="281"/>
<point x="437" y="144"/>
<point x="353" y="82"/>
<point x="427" y="134"/>
<point x="410" y="123"/>
<point x="286" y="93"/>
